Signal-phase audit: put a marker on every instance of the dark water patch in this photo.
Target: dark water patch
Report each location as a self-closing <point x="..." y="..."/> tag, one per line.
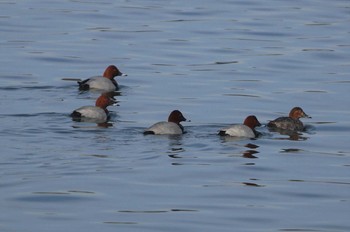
<point x="21" y="41"/>
<point x="7" y="3"/>
<point x="184" y="210"/>
<point x="177" y="150"/>
<point x="98" y="156"/>
<point x="334" y="127"/>
<point x="33" y="87"/>
<point x="341" y="82"/>
<point x="100" y="29"/>
<point x="292" y="150"/>
<point x="269" y="34"/>
<point x="288" y="135"/>
<point x="178" y="40"/>
<point x="241" y="95"/>
<point x="92" y="126"/>
<point x="297" y="180"/>
<point x="175" y="156"/>
<point x="214" y="63"/>
<point x="181" y="20"/>
<point x="46" y="114"/>
<point x="318" y="24"/>
<point x="51" y="197"/>
<point x="156" y="211"/>
<point x="120" y="223"/>
<point x="322" y="182"/>
<point x="175" y="43"/>
<point x="300" y="230"/>
<point x="305" y="194"/>
<point x="315" y="91"/>
<point x="123" y="31"/>
<point x="143" y="211"/>
<point x="81" y="192"/>
<point x="250" y="154"/>
<point x="64" y="59"/>
<point x="166" y="65"/>
<point x="203" y="70"/>
<point x="248" y="80"/>
<point x="18" y="77"/>
<point x="250" y="184"/>
<point x="226" y="62"/>
<point x="334" y="153"/>
<point x="317" y="50"/>
<point x="271" y="54"/>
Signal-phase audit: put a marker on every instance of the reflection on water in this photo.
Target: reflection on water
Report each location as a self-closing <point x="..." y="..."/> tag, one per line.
<point x="55" y="197"/>
<point x="235" y="142"/>
<point x="89" y="126"/>
<point x="251" y="184"/>
<point x="292" y="150"/>
<point x="250" y="154"/>
<point x="291" y="135"/>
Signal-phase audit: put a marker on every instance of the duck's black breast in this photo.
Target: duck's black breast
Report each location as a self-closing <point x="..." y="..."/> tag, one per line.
<point x="75" y="114"/>
<point x="222" y="133"/>
<point x="148" y="132"/>
<point x="83" y="85"/>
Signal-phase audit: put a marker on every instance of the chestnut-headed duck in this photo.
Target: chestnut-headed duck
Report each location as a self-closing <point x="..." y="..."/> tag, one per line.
<point x="171" y="127"/>
<point x="97" y="113"/>
<point x="292" y="122"/>
<point x="105" y="82"/>
<point x="247" y="129"/>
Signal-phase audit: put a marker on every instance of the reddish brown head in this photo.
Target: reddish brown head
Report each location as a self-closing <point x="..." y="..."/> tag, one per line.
<point x="176" y="117"/>
<point x="112" y="71"/>
<point x="297" y="113"/>
<point x="251" y="121"/>
<point x="104" y="101"/>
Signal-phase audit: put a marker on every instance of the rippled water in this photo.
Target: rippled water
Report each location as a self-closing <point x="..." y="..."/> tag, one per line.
<point x="217" y="62"/>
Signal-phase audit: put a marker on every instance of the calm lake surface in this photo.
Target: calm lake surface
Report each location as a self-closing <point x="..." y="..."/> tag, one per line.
<point x="217" y="62"/>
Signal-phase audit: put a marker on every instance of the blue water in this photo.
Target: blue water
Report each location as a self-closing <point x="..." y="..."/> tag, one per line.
<point x="217" y="62"/>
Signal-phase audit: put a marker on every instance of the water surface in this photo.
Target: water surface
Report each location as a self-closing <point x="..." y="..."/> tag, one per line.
<point x="217" y="62"/>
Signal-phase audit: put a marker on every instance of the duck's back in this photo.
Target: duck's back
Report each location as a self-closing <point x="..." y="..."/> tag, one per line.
<point x="91" y="112"/>
<point x="164" y="128"/>
<point x="286" y="123"/>
<point x="238" y="130"/>
<point x="98" y="82"/>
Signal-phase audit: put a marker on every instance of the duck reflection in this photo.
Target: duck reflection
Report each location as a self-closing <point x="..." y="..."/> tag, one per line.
<point x="105" y="124"/>
<point x="292" y="135"/>
<point x="252" y="184"/>
<point x="175" y="146"/>
<point x="89" y="126"/>
<point x="250" y="154"/>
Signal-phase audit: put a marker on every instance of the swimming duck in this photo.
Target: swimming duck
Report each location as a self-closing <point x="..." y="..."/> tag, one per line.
<point x="97" y="113"/>
<point x="105" y="82"/>
<point x="247" y="129"/>
<point x="171" y="127"/>
<point x="292" y="122"/>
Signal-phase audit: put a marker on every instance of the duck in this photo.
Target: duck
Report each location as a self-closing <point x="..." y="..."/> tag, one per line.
<point x="171" y="127"/>
<point x="106" y="82"/>
<point x="292" y="122"/>
<point x="245" y="130"/>
<point x="97" y="113"/>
